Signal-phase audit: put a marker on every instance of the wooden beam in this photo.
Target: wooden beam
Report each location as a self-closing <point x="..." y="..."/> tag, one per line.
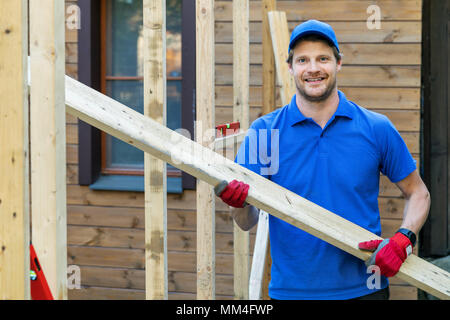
<point x="268" y="63"/>
<point x="14" y="197"/>
<point x="134" y="128"/>
<point x="48" y="141"/>
<point x="280" y="42"/>
<point x="205" y="135"/>
<point x="262" y="270"/>
<point x="259" y="257"/>
<point x="229" y="141"/>
<point x="155" y="176"/>
<point x="241" y="73"/>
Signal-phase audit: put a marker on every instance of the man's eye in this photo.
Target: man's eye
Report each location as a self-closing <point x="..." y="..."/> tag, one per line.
<point x="324" y="59"/>
<point x="301" y="60"/>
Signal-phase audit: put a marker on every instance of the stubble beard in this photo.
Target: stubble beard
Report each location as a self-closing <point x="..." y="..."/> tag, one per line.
<point x="320" y="98"/>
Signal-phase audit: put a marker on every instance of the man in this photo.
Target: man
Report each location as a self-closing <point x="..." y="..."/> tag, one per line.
<point x="329" y="151"/>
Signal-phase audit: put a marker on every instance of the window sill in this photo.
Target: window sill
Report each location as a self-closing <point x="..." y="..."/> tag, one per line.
<point x="132" y="183"/>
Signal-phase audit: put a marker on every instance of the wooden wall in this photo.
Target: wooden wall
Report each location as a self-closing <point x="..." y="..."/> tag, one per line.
<point x="381" y="72"/>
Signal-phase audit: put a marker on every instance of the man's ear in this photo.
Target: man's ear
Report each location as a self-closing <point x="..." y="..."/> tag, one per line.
<point x="291" y="71"/>
<point x="339" y="65"/>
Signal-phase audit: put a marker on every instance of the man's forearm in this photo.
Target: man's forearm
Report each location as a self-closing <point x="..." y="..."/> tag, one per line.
<point x="416" y="211"/>
<point x="246" y="217"/>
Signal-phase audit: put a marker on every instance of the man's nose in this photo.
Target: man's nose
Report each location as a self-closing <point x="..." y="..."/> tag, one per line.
<point x="313" y="66"/>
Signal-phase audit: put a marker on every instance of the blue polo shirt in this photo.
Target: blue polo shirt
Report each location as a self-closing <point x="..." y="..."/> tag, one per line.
<point x="337" y="168"/>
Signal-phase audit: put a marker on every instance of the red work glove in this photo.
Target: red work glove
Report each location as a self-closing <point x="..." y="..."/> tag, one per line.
<point x="233" y="193"/>
<point x="389" y="253"/>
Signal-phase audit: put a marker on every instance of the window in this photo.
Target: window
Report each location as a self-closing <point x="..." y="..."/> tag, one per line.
<point x="122" y="75"/>
<point x="117" y="165"/>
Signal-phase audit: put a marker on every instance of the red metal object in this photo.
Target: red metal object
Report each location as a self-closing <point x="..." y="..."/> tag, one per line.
<point x="39" y="286"/>
<point x="227" y="129"/>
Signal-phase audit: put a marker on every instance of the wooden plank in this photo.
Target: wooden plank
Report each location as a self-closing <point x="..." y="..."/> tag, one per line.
<point x="353" y="54"/>
<point x="267" y="59"/>
<point x="48" y="141"/>
<point x="105" y="293"/>
<point x="350" y="76"/>
<point x="134" y="258"/>
<point x="260" y="272"/>
<point x="14" y="197"/>
<point x="132" y="238"/>
<point x="280" y="43"/>
<point x="347" y="32"/>
<point x="229" y="141"/>
<point x="369" y="98"/>
<point x="203" y="163"/>
<point x="71" y="52"/>
<point x="341" y="10"/>
<point x="71" y="153"/>
<point x="391" y="208"/>
<point x="384" y="98"/>
<point x="123" y="217"/>
<point x="404" y="121"/>
<point x="155" y="177"/>
<point x="72" y="174"/>
<point x="82" y="195"/>
<point x="71" y="133"/>
<point x="259" y="257"/>
<point x="205" y="136"/>
<point x="125" y="278"/>
<point x="402" y="292"/>
<point x="241" y="60"/>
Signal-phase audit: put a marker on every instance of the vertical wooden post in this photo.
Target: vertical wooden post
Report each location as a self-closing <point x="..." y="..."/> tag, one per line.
<point x="268" y="105"/>
<point x="268" y="64"/>
<point x="206" y="260"/>
<point x="48" y="141"/>
<point x="241" y="113"/>
<point x="14" y="197"/>
<point x="155" y="170"/>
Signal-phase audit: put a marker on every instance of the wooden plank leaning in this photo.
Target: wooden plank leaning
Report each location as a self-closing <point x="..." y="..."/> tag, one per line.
<point x="255" y="287"/>
<point x="146" y="134"/>
<point x="280" y="42"/>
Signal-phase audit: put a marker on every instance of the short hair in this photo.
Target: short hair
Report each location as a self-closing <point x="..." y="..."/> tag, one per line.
<point x="314" y="38"/>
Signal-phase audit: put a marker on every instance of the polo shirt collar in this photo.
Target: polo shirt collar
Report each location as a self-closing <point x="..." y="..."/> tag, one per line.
<point x="344" y="109"/>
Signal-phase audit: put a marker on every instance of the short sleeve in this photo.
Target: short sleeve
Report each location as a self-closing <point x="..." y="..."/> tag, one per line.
<point x="253" y="151"/>
<point x="396" y="161"/>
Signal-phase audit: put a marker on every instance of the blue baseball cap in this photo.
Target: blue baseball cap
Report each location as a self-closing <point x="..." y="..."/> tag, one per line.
<point x="313" y="27"/>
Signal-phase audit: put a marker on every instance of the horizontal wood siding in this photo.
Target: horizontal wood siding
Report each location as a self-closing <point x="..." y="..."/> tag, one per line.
<point x="381" y="72"/>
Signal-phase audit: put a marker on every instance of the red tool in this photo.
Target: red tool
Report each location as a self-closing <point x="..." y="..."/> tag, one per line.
<point x="39" y="286"/>
<point x="227" y="129"/>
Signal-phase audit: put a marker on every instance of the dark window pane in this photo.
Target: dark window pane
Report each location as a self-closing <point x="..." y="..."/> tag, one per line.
<point x="124" y="31"/>
<point x="124" y="39"/>
<point x="174" y="104"/>
<point x="124" y="58"/>
<point x="173" y="38"/>
<point x="120" y="154"/>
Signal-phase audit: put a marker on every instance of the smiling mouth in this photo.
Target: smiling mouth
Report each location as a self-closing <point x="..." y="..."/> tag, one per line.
<point x="314" y="80"/>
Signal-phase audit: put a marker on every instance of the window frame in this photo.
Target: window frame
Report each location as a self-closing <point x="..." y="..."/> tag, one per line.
<point x="90" y="73"/>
